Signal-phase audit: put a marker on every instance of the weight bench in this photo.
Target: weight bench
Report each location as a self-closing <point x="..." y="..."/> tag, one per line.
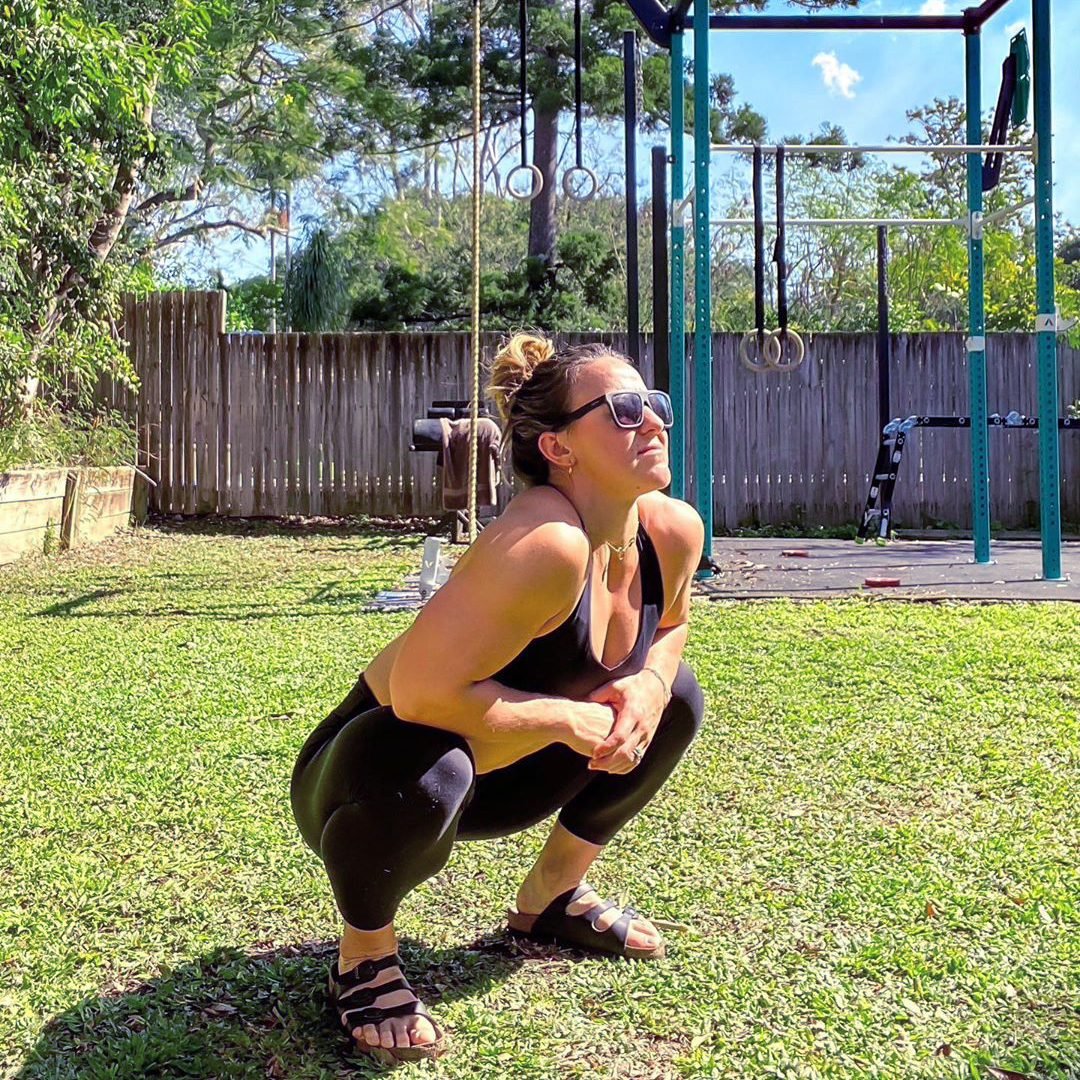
<point x="427" y="438"/>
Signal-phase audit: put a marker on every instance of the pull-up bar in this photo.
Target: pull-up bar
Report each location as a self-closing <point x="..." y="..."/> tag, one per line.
<point x="660" y="22"/>
<point x="880" y="148"/>
<point x="970" y="21"/>
<point x="846" y="221"/>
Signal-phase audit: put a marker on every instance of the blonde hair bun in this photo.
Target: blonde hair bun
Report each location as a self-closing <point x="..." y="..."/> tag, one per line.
<point x="512" y="366"/>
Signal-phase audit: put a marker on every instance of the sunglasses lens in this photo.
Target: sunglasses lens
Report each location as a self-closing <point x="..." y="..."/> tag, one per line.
<point x="660" y="404"/>
<point x="627" y="409"/>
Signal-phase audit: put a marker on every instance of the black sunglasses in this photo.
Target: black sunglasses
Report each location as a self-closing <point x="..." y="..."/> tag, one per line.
<point x="627" y="408"/>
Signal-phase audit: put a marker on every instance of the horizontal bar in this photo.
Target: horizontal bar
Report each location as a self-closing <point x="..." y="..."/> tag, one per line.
<point x="845" y="221"/>
<point x="883" y="148"/>
<point x="1008" y="211"/>
<point x="983" y="12"/>
<point x="835" y="22"/>
<point x="1065" y="423"/>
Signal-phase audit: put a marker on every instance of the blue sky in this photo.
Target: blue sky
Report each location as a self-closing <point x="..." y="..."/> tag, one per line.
<point x="866" y="80"/>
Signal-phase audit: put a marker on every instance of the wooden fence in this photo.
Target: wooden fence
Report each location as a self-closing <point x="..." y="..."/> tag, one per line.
<point x="258" y="424"/>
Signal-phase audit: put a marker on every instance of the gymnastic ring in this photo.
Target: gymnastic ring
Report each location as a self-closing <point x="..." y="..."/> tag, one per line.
<point x="590" y="178"/>
<point x="537" y="183"/>
<point x="798" y="349"/>
<point x="770" y="350"/>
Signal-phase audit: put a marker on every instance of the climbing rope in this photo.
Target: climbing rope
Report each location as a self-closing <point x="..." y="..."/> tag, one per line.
<point x="474" y="405"/>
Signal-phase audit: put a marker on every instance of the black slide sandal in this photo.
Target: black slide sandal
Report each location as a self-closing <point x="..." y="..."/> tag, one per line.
<point x="579" y="931"/>
<point x="355" y="1006"/>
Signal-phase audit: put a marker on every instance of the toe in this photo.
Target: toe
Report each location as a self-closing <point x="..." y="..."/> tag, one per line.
<point x="369" y="1034"/>
<point x="644" y="935"/>
<point x="399" y="1031"/>
<point x="421" y="1030"/>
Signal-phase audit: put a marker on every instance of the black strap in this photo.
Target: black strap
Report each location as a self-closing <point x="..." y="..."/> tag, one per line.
<point x="577" y="80"/>
<point x="778" y="250"/>
<point x="523" y="88"/>
<point x="368" y="995"/>
<point x="364" y="972"/>
<point x="375" y="1015"/>
<point x="759" y="249"/>
<point x="555" y="914"/>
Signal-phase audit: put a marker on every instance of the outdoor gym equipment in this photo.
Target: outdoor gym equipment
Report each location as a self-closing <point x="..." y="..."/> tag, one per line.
<point x="877" y="511"/>
<point x="770" y="343"/>
<point x="667" y="27"/>
<point x="588" y="176"/>
<point x="536" y="177"/>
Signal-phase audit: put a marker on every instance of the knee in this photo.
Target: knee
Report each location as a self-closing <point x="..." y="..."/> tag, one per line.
<point x="686" y="708"/>
<point x="416" y="771"/>
<point x="445" y="780"/>
<point x="405" y="776"/>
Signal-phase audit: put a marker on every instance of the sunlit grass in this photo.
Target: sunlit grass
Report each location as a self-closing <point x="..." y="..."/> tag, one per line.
<point x="868" y="860"/>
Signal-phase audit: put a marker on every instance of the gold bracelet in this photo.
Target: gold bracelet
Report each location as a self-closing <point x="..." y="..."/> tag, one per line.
<point x="667" y="691"/>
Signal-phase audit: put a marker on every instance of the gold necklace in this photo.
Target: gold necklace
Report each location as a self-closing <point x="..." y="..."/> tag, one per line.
<point x="619" y="551"/>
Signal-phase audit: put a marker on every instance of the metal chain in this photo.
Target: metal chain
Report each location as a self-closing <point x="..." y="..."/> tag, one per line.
<point x="639" y="85"/>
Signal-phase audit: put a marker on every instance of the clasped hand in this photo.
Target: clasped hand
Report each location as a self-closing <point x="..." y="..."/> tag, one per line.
<point x="635" y="704"/>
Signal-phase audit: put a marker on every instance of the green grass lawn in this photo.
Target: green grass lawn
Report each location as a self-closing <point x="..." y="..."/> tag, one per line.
<point x="867" y="863"/>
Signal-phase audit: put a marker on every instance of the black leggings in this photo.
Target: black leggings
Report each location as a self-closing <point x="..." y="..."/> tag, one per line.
<point x="383" y="800"/>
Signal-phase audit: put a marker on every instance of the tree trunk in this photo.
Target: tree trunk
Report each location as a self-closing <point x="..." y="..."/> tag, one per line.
<point x="545" y="156"/>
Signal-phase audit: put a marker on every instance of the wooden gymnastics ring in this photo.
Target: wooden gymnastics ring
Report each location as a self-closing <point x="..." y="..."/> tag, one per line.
<point x="590" y="180"/>
<point x="770" y="350"/>
<point x="535" y="187"/>
<point x="798" y="349"/>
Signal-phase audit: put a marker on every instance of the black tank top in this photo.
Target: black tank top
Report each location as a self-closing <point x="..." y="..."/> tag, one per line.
<point x="561" y="662"/>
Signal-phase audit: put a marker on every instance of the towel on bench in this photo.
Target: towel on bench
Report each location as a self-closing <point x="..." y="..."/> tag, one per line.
<point x="454" y="459"/>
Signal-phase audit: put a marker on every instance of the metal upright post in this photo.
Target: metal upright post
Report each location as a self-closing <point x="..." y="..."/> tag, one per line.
<point x="976" y="341"/>
<point x="884" y="404"/>
<point x="631" y="122"/>
<point x="661" y="365"/>
<point x="1046" y="319"/>
<point x="677" y="351"/>
<point x="703" y="469"/>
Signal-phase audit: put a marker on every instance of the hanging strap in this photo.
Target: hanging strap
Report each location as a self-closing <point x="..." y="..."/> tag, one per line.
<point x="759" y="248"/>
<point x="577" y="82"/>
<point x="523" y="85"/>
<point x="778" y="249"/>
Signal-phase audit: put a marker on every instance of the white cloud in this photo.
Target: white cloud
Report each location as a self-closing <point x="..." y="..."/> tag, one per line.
<point x="932" y="7"/>
<point x="1014" y="28"/>
<point x="838" y="78"/>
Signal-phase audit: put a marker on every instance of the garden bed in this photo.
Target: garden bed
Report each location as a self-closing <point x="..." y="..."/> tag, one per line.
<point x="65" y="507"/>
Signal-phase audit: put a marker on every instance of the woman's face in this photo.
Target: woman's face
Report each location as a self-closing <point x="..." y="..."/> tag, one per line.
<point x="630" y="459"/>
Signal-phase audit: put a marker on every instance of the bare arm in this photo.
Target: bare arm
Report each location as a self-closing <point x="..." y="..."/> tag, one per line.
<point x="639" y="700"/>
<point x="520" y="579"/>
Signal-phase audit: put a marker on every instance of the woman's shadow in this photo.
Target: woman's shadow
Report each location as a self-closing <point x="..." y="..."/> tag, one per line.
<point x="236" y="1014"/>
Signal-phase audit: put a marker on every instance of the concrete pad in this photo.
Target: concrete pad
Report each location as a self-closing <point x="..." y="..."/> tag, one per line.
<point x="926" y="569"/>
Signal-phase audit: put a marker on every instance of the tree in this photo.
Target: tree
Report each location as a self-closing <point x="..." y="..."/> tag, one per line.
<point x="129" y="127"/>
<point x="432" y="69"/>
<point x="313" y="288"/>
<point x="76" y="98"/>
<point x="405" y="265"/>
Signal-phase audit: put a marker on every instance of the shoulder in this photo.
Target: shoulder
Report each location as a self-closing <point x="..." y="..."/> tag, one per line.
<point x="674" y="526"/>
<point x="539" y="537"/>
